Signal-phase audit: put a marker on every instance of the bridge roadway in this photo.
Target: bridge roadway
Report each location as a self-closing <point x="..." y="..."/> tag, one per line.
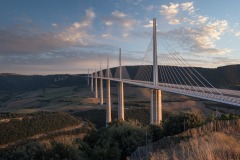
<point x="213" y="94"/>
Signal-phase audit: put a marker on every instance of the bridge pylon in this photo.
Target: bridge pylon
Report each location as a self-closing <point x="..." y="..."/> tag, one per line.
<point x="101" y="85"/>
<point x="88" y="78"/>
<point x="96" y="84"/>
<point x="156" y="100"/>
<point x="92" y="82"/>
<point x="108" y="97"/>
<point x="120" y="91"/>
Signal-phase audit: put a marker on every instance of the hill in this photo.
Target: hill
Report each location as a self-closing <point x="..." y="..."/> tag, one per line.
<point x="16" y="127"/>
<point x="13" y="82"/>
<point x="216" y="140"/>
<point x="224" y="77"/>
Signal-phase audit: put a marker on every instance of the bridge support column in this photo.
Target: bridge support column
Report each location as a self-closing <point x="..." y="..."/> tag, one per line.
<point x="156" y="107"/>
<point x="101" y="91"/>
<point x="101" y="87"/>
<point x="108" y="98"/>
<point x="120" y="102"/>
<point x="120" y="91"/>
<point x="92" y="82"/>
<point x="88" y="78"/>
<point x="108" y="103"/>
<point x="96" y="86"/>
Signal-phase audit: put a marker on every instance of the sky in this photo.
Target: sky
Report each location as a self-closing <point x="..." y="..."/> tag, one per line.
<point x="74" y="36"/>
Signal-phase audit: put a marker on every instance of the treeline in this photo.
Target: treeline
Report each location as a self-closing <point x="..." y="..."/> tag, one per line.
<point x="98" y="116"/>
<point x="32" y="124"/>
<point x="34" y="82"/>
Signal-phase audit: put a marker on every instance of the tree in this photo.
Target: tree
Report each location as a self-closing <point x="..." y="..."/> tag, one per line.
<point x="177" y="123"/>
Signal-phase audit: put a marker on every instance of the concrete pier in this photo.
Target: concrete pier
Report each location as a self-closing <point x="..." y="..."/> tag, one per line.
<point x="96" y="85"/>
<point x="120" y="91"/>
<point x="101" y="86"/>
<point x="108" y="98"/>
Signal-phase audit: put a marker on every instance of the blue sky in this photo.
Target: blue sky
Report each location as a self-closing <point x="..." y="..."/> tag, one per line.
<point x="72" y="36"/>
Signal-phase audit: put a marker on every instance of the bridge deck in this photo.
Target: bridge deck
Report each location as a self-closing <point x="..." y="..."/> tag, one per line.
<point x="218" y="95"/>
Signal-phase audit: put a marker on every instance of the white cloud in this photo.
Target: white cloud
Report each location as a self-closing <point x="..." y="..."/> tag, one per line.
<point x="237" y="34"/>
<point x="200" y="39"/>
<point x="149" y="25"/>
<point x="77" y="32"/>
<point x="216" y="29"/>
<point x="173" y="12"/>
<point x="108" y="23"/>
<point x="202" y="19"/>
<point x="188" y="6"/>
<point x="170" y="12"/>
<point x="118" y="14"/>
<point x="174" y="21"/>
<point x="188" y="20"/>
<point x="106" y="35"/>
<point x="121" y="21"/>
<point x="54" y="25"/>
<point x="198" y="33"/>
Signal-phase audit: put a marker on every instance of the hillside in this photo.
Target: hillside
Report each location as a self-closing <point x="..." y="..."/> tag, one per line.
<point x="20" y="126"/>
<point x="225" y="76"/>
<point x="216" y="140"/>
<point x="13" y="82"/>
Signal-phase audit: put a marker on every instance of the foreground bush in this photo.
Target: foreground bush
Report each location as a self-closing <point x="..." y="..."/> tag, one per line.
<point x="118" y="141"/>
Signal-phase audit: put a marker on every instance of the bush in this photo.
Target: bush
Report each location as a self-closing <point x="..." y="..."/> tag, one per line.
<point x="117" y="141"/>
<point x="178" y="123"/>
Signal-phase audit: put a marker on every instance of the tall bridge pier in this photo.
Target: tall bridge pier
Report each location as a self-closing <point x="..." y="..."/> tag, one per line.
<point x="120" y="91"/>
<point x="96" y="85"/>
<point x="156" y="96"/>
<point x="101" y="85"/>
<point x="88" y="78"/>
<point x="92" y="82"/>
<point x="108" y="97"/>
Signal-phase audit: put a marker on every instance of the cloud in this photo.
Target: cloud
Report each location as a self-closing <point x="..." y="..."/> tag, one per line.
<point x="121" y="22"/>
<point x="108" y="23"/>
<point x="188" y="6"/>
<point x="196" y="32"/>
<point x="202" y="19"/>
<point x="170" y="12"/>
<point x="199" y="39"/>
<point x="14" y="40"/>
<point x="118" y="14"/>
<point x="237" y="34"/>
<point x="77" y="32"/>
<point x="173" y="11"/>
<point x="106" y="35"/>
<point x="149" y="25"/>
<point x="54" y="25"/>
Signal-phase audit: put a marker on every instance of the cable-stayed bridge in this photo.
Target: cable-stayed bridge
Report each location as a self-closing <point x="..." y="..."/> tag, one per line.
<point x="174" y="74"/>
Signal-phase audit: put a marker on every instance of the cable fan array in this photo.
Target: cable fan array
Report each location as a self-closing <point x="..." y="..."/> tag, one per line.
<point x="144" y="72"/>
<point x="176" y="72"/>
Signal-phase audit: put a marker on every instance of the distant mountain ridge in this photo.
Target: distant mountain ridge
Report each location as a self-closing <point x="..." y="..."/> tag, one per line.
<point x="223" y="77"/>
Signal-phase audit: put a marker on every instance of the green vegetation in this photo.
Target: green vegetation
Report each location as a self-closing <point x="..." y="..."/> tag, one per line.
<point x="32" y="124"/>
<point x="98" y="116"/>
<point x="120" y="139"/>
<point x="28" y="83"/>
